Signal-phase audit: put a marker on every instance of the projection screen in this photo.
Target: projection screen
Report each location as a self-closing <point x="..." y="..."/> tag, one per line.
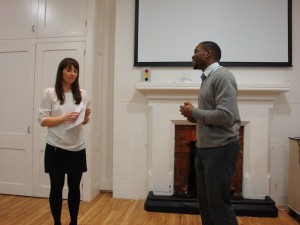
<point x="249" y="32"/>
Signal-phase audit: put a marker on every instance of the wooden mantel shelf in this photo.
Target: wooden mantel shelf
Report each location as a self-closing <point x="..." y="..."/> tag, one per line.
<point x="249" y="92"/>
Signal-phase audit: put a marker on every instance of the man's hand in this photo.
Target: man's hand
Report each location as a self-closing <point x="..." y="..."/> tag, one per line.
<point x="186" y="109"/>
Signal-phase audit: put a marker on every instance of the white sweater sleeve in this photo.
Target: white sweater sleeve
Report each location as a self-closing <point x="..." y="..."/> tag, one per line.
<point x="45" y="106"/>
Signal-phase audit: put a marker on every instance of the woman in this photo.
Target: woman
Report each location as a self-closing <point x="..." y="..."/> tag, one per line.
<point x="65" y="147"/>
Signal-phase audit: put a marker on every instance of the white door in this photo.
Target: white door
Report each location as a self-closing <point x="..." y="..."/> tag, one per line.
<point x="16" y="115"/>
<point x="48" y="56"/>
<point x="18" y="18"/>
<point x="58" y="18"/>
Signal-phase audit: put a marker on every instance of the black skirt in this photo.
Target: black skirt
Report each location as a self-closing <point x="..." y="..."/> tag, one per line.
<point x="58" y="160"/>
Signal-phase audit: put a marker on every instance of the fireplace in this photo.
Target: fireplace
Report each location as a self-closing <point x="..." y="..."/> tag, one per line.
<point x="255" y="103"/>
<point x="184" y="156"/>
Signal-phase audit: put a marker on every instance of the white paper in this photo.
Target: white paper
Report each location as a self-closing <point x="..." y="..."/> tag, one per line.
<point x="81" y="113"/>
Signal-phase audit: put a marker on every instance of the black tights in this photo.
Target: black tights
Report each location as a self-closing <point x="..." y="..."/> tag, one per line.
<point x="55" y="199"/>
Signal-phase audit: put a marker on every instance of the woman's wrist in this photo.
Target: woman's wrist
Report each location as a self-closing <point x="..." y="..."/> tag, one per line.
<point x="86" y="120"/>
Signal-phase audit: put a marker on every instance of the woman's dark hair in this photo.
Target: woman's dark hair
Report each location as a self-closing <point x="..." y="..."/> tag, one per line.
<point x="65" y="64"/>
<point x="214" y="48"/>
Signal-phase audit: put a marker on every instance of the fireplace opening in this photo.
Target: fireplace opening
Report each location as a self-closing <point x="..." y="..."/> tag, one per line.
<point x="184" y="171"/>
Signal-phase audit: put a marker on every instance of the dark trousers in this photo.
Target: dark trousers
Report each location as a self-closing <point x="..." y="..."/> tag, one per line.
<point x="214" y="171"/>
<point x="55" y="199"/>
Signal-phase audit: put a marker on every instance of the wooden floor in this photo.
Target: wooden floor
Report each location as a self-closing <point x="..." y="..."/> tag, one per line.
<point x="105" y="210"/>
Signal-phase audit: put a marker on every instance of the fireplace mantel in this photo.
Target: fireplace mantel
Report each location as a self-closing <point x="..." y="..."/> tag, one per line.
<point x="256" y="92"/>
<point x="255" y="103"/>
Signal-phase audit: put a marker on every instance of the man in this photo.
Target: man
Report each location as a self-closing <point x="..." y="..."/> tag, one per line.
<point x="218" y="122"/>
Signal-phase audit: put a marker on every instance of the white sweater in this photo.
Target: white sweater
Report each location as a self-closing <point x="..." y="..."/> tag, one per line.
<point x="58" y="136"/>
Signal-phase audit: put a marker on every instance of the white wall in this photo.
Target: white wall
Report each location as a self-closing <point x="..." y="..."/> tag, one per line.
<point x="103" y="82"/>
<point x="130" y="122"/>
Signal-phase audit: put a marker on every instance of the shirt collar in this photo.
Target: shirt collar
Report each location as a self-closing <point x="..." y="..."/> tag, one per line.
<point x="211" y="68"/>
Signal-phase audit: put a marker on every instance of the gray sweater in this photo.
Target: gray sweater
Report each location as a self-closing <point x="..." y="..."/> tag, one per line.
<point x="217" y="116"/>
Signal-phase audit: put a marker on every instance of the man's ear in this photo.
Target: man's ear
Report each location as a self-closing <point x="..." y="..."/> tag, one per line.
<point x="208" y="54"/>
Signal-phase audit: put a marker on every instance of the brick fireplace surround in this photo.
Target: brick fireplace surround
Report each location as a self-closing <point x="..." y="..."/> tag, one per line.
<point x="255" y="102"/>
<point x="185" y="137"/>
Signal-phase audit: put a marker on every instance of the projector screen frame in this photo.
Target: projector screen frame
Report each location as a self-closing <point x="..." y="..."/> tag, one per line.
<point x="157" y="63"/>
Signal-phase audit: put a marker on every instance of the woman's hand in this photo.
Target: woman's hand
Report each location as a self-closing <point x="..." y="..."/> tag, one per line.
<point x="54" y="121"/>
<point x="87" y="112"/>
<point x="87" y="116"/>
<point x="70" y="117"/>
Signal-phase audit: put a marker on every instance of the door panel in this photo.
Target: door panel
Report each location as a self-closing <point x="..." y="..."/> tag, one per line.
<point x="59" y="18"/>
<point x="48" y="56"/>
<point x="16" y="115"/>
<point x="18" y="18"/>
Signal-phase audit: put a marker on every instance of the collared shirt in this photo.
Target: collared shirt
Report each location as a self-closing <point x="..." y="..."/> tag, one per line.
<point x="211" y="68"/>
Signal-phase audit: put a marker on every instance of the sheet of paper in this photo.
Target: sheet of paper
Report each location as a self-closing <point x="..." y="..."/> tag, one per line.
<point x="81" y="110"/>
<point x="88" y="104"/>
